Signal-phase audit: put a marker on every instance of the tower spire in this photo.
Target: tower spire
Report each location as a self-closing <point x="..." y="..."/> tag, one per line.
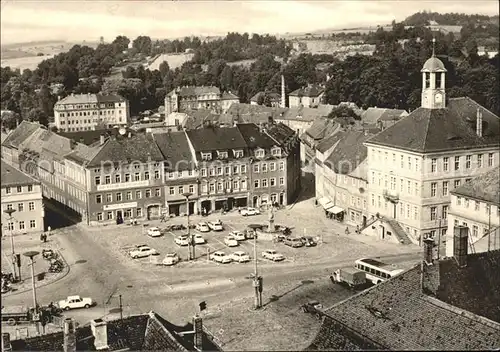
<point x="434" y="47"/>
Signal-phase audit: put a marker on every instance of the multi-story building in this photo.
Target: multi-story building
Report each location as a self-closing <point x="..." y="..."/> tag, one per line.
<point x="309" y="97"/>
<point x="476" y="206"/>
<point x="266" y="98"/>
<point x="320" y="129"/>
<point x="182" y="99"/>
<point x="414" y="164"/>
<point x="23" y="195"/>
<point x="84" y="112"/>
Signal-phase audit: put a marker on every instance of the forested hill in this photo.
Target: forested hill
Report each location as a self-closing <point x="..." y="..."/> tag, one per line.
<point x="448" y="19"/>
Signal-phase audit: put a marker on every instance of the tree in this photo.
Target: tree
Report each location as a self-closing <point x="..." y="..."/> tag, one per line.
<point x="10" y="120"/>
<point x="37" y="115"/>
<point x="142" y="44"/>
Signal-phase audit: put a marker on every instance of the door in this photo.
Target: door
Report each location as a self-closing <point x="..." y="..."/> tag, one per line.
<point x="364" y="221"/>
<point x="382" y="232"/>
<point x="281" y="198"/>
<point x="119" y="217"/>
<point x="255" y="201"/>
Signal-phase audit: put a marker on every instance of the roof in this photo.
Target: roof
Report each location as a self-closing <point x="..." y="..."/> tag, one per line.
<point x="247" y="113"/>
<point x="349" y="153"/>
<point x="19" y="135"/>
<point x="373" y="115"/>
<point x="433" y="130"/>
<point x="214" y="138"/>
<point x="11" y="176"/>
<point x="254" y="137"/>
<point x="273" y="96"/>
<point x="146" y="332"/>
<point x="91" y="99"/>
<point x="280" y="132"/>
<point x="229" y="96"/>
<point x="89" y="137"/>
<point x="329" y="142"/>
<point x="321" y="128"/>
<point x="397" y="315"/>
<point x="433" y="64"/>
<point x="138" y="147"/>
<point x="311" y="91"/>
<point x="303" y="114"/>
<point x="175" y="149"/>
<point x="189" y="91"/>
<point x="197" y="118"/>
<point x="484" y="187"/>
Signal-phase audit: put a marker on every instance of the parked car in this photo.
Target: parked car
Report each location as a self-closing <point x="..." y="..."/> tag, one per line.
<point x="293" y="242"/>
<point x="230" y="241"/>
<point x="198" y="239"/>
<point x="154" y="232"/>
<point x="170" y="259"/>
<point x="250" y="234"/>
<point x="182" y="240"/>
<point x="238" y="235"/>
<point x="308" y="241"/>
<point x="220" y="257"/>
<point x="142" y="252"/>
<point x="240" y="257"/>
<point x="74" y="302"/>
<point x="202" y="227"/>
<point x="215" y="225"/>
<point x="271" y="254"/>
<point x="249" y="211"/>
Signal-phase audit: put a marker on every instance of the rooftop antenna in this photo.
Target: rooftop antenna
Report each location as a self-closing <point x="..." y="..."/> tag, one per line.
<point x="433" y="47"/>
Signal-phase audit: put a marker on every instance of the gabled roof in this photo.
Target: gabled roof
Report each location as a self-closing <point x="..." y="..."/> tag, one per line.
<point x="139" y="147"/>
<point x="197" y="118"/>
<point x="432" y="130"/>
<point x="247" y="113"/>
<point x="311" y="91"/>
<point x="254" y="137"/>
<point x="19" y="135"/>
<point x="485" y="187"/>
<point x="89" y="137"/>
<point x="214" y="138"/>
<point x="349" y="153"/>
<point x="303" y="114"/>
<point x="175" y="149"/>
<point x="91" y="99"/>
<point x="229" y="96"/>
<point x="190" y="91"/>
<point x="280" y="132"/>
<point x="10" y="177"/>
<point x="321" y="128"/>
<point x="373" y="115"/>
<point x="273" y="96"/>
<point x="329" y="142"/>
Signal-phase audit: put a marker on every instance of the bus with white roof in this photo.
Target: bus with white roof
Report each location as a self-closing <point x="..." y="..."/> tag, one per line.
<point x="377" y="271"/>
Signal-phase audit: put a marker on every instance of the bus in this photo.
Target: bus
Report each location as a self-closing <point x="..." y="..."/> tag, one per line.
<point x="377" y="271"/>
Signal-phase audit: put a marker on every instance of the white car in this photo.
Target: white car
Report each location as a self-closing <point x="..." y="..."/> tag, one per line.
<point x="170" y="259"/>
<point x="271" y="254"/>
<point x="237" y="235"/>
<point x="220" y="257"/>
<point x="142" y="252"/>
<point x="215" y="225"/>
<point x="230" y="241"/>
<point x="198" y="239"/>
<point x="182" y="240"/>
<point x="240" y="257"/>
<point x="250" y="211"/>
<point x="73" y="302"/>
<point x="154" y="232"/>
<point x="202" y="227"/>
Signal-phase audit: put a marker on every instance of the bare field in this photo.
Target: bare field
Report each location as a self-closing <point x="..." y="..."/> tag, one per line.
<point x="23" y="63"/>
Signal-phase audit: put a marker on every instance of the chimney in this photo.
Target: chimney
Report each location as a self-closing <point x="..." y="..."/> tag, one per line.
<point x="479" y="123"/>
<point x="6" y="346"/>
<point x="129" y="134"/>
<point x="460" y="244"/>
<point x="69" y="335"/>
<point x="102" y="139"/>
<point x="100" y="331"/>
<point x="428" y="251"/>
<point x="58" y="97"/>
<point x="198" y="332"/>
<point x="283" y="94"/>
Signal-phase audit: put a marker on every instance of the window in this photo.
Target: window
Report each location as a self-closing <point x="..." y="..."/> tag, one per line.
<point x="490" y="159"/>
<point x="243" y="169"/>
<point x="476" y="205"/>
<point x="282" y="165"/>
<point x="445" y="212"/>
<point x="109" y="198"/>
<point x="256" y="183"/>
<point x="21" y="225"/>
<point x="109" y="215"/>
<point x="191" y="189"/>
<point x="282" y="181"/>
<point x="19" y="189"/>
<point x="264" y="182"/>
<point x="157" y="192"/>
<point x="416" y="164"/>
<point x="480" y="160"/>
<point x="459" y="200"/>
<point x="107" y="179"/>
<point x="433" y="189"/>
<point x="276" y="151"/>
<point x="10" y="226"/>
<point x="127" y="177"/>
<point x="171" y="191"/>
<point x="264" y="167"/>
<point x="117" y="178"/>
<point x="138" y="194"/>
<point x="170" y="175"/>
<point x="20" y="207"/>
<point x="433" y="213"/>
<point x="203" y="172"/>
<point x="222" y="155"/>
<point x="157" y="174"/>
<point x="272" y="181"/>
<point x="409" y="163"/>
<point x="220" y="186"/>
<point x="456" y="184"/>
<point x="30" y="188"/>
<point x="129" y="195"/>
<point x="206" y="156"/>
<point x="446" y="161"/>
<point x="181" y="189"/>
<point x="259" y="153"/>
<point x="238" y="153"/>
<point x="212" y="188"/>
<point x="256" y="168"/>
<point x="409" y="187"/>
<point x="457" y="163"/>
<point x="228" y="170"/>
<point x="243" y="184"/>
<point x="373" y="177"/>
<point x="235" y="169"/>
<point x="179" y="174"/>
<point x="272" y="166"/>
<point x="235" y="184"/>
<point x="402" y="161"/>
<point x="31" y="206"/>
<point x="373" y="200"/>
<point x="445" y="188"/>
<point x="98" y="180"/>
<point x="433" y="165"/>
<point x="146" y="175"/>
<point x="415" y="213"/>
<point x="219" y="171"/>
<point x="137" y="176"/>
<point x="139" y="212"/>
<point x="402" y="183"/>
<point x="393" y="183"/>
<point x="468" y="159"/>
<point x="99" y="216"/>
<point x="407" y="211"/>
<point x="148" y="193"/>
<point x="474" y="230"/>
<point x="118" y="197"/>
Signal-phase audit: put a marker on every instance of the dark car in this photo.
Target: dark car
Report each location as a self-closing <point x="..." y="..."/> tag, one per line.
<point x="308" y="241"/>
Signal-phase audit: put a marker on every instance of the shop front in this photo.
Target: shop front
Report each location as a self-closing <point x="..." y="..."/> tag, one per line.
<point x="336" y="213"/>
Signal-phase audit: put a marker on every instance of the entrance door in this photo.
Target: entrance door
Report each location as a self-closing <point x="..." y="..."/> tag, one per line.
<point x="119" y="217"/>
<point x="255" y="201"/>
<point x="364" y="221"/>
<point x="281" y="198"/>
<point x="382" y="232"/>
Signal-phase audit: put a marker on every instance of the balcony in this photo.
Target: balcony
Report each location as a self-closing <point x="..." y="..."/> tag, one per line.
<point x="391" y="196"/>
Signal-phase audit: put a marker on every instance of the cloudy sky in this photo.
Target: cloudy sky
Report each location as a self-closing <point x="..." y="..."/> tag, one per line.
<point x="26" y="20"/>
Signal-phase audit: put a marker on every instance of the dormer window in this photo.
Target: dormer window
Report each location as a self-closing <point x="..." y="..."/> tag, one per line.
<point x="238" y="153"/>
<point x="206" y="156"/>
<point x="259" y="153"/>
<point x="222" y="155"/>
<point x="276" y="151"/>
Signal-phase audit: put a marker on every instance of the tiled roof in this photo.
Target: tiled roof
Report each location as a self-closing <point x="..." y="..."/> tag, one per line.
<point x="175" y="149"/>
<point x="83" y="154"/>
<point x="309" y="91"/>
<point x="89" y="137"/>
<point x="280" y="132"/>
<point x="432" y="130"/>
<point x="191" y="91"/>
<point x="91" y="99"/>
<point x="197" y="118"/>
<point x="329" y="142"/>
<point x="303" y="114"/>
<point x="13" y="177"/>
<point x="397" y="315"/>
<point x="247" y="113"/>
<point x="321" y="128"/>
<point x="214" y="138"/>
<point x="484" y="187"/>
<point x="349" y="153"/>
<point x="229" y="96"/>
<point x="373" y="115"/>
<point x="392" y="115"/>
<point x="273" y="96"/>
<point x="3" y="136"/>
<point x="139" y="147"/>
<point x="254" y="137"/>
<point x="19" y="135"/>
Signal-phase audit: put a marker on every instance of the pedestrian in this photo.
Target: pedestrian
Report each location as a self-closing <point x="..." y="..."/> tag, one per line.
<point x="347" y="230"/>
<point x="49" y="229"/>
<point x="357" y="229"/>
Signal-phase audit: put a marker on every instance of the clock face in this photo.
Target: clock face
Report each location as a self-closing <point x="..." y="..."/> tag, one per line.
<point x="438" y="98"/>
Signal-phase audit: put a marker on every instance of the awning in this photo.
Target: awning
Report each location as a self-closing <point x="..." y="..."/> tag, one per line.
<point x="323" y="201"/>
<point x="335" y="210"/>
<point x="328" y="205"/>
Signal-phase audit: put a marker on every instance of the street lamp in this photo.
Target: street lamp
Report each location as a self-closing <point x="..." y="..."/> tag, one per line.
<point x="257" y="280"/>
<point x="191" y="243"/>
<point x="9" y="212"/>
<point x="32" y="255"/>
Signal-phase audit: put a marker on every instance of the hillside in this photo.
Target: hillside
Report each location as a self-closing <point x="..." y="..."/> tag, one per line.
<point x="448" y="19"/>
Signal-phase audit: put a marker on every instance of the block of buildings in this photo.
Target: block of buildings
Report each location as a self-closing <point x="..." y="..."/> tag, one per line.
<point x="84" y="112"/>
<point x="182" y="99"/>
<point x="266" y="98"/>
<point x="309" y="97"/>
<point x="22" y="195"/>
<point x="381" y="117"/>
<point x="476" y="206"/>
<point x="320" y="129"/>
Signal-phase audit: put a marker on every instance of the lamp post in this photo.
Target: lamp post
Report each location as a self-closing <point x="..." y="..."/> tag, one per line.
<point x="32" y="255"/>
<point x="257" y="280"/>
<point x="191" y="243"/>
<point x="9" y="212"/>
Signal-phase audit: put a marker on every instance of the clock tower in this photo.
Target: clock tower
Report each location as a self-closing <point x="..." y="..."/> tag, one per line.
<point x="433" y="82"/>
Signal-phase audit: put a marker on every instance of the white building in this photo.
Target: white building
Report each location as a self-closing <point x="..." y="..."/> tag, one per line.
<point x="476" y="205"/>
<point x="414" y="164"/>
<point x="88" y="112"/>
<point x="309" y="97"/>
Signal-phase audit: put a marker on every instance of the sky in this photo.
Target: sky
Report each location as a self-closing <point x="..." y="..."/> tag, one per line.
<point x="26" y="20"/>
